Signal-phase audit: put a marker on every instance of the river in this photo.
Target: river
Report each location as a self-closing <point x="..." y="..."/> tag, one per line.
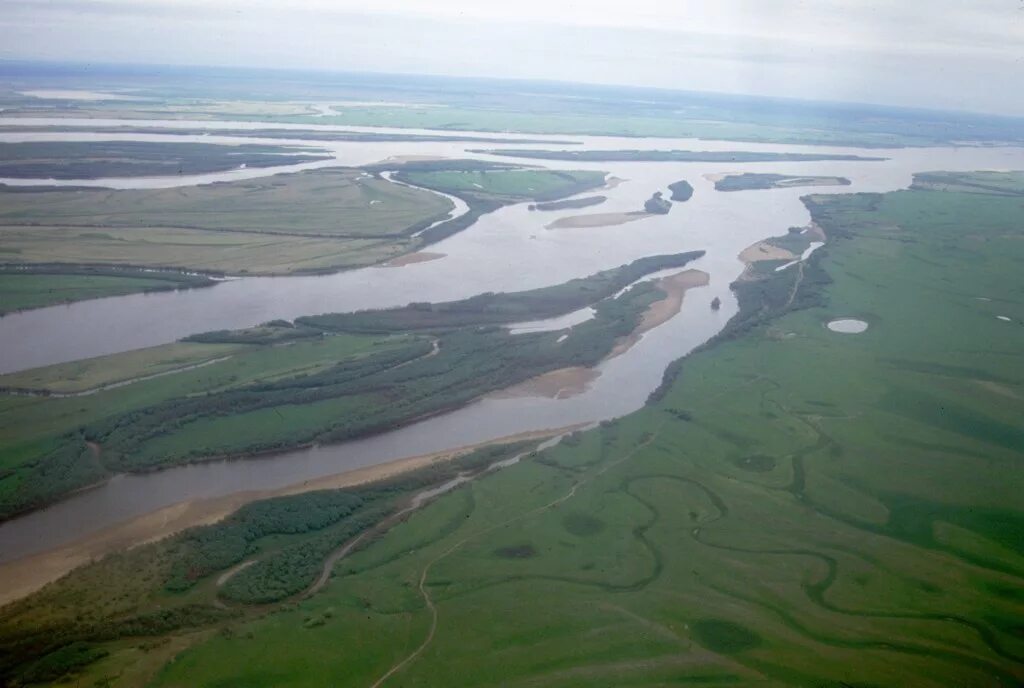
<point x="507" y="250"/>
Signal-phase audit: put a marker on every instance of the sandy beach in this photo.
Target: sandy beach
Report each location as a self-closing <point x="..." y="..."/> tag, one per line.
<point x="411" y="258"/>
<point x="596" y="220"/>
<point x="24" y="576"/>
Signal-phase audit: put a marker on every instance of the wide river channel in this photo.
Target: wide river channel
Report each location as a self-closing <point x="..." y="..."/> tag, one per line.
<point x="508" y="250"/>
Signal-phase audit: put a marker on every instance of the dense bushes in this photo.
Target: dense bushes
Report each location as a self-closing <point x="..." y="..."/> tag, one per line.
<point x="67" y="467"/>
<point x="294" y="568"/>
<point x="681" y="191"/>
<point x="502" y="308"/>
<point x="203" y="551"/>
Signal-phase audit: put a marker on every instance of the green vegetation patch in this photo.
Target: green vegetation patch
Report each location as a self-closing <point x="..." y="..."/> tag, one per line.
<point x="724" y="636"/>
<point x="501" y="308"/>
<point x="682" y="191"/>
<point x="509" y="184"/>
<point x="95" y="159"/>
<point x="756" y="463"/>
<point x="332" y="202"/>
<point x="753" y="180"/>
<point x="582" y="524"/>
<point x="524" y="551"/>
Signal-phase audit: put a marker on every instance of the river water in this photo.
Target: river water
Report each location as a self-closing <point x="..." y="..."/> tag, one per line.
<point x="508" y="250"/>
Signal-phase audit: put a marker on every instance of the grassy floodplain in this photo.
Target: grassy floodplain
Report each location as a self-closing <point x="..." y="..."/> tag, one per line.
<point x="547" y="109"/>
<point x="307" y="222"/>
<point x="323" y="379"/>
<point x="795" y="506"/>
<point x="754" y="180"/>
<point x="35" y="286"/>
<point x="95" y="159"/>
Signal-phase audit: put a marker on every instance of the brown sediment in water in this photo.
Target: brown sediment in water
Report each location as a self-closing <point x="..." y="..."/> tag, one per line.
<point x="568" y="382"/>
<point x="22" y="577"/>
<point x="411" y="258"/>
<point x="596" y="220"/>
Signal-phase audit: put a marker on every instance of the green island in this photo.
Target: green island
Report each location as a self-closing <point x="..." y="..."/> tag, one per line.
<point x="681" y="191"/>
<point x="286" y="385"/>
<point x="670" y="156"/>
<point x="794" y="506"/>
<point x="310" y="222"/>
<point x="657" y="205"/>
<point x="755" y="180"/>
<point x="96" y="159"/>
<point x="33" y="286"/>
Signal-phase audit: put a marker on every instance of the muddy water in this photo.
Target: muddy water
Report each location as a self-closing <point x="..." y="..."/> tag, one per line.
<point x="505" y="251"/>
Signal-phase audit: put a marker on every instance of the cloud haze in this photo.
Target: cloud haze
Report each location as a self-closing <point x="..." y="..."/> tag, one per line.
<point x="943" y="53"/>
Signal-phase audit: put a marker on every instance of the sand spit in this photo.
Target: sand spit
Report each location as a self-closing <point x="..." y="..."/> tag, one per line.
<point x="568" y="382"/>
<point x="719" y="176"/>
<point x="596" y="220"/>
<point x="675" y="287"/>
<point x="22" y="577"/>
<point x="558" y="384"/>
<point x="411" y="258"/>
<point x="412" y="158"/>
<point x="762" y="250"/>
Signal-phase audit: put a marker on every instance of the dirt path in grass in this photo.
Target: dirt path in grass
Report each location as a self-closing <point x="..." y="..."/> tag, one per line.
<point x="422" y="587"/>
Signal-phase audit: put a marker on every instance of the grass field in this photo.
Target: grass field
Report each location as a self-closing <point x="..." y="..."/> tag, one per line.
<point x="510" y="184"/>
<point x="41" y="453"/>
<point x="23" y="291"/>
<point x="795" y="507"/>
<point x="95" y="159"/>
<point x="753" y="180"/>
<point x="338" y="202"/>
<point x="91" y="373"/>
<point x="308" y="222"/>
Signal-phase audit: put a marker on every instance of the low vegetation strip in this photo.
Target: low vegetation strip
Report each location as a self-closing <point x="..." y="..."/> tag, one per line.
<point x="35" y="286"/>
<point x="669" y="156"/>
<point x="97" y="159"/>
<point x="501" y="308"/>
<point x="754" y="180"/>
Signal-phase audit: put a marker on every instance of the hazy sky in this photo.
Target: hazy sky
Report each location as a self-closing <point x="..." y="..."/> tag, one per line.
<point x="963" y="54"/>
